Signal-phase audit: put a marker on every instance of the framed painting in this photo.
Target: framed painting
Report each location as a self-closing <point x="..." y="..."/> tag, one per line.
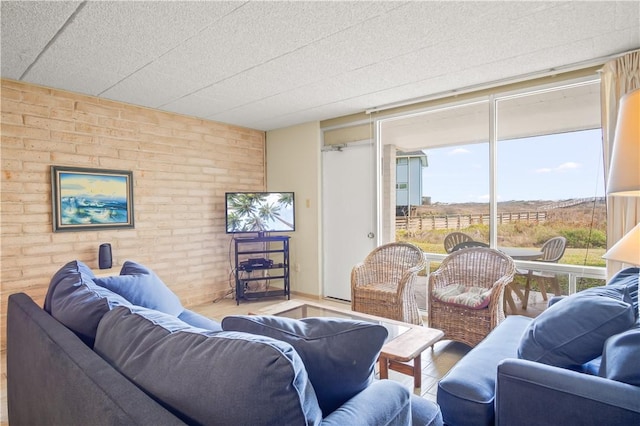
<point x="91" y="199"/>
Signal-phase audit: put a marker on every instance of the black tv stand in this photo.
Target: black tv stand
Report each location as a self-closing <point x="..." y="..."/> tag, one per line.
<point x="252" y="260"/>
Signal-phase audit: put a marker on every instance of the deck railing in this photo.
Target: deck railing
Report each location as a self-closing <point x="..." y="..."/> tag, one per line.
<point x="572" y="271"/>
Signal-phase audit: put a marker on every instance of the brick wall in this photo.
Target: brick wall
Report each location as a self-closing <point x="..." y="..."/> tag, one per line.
<point x="181" y="168"/>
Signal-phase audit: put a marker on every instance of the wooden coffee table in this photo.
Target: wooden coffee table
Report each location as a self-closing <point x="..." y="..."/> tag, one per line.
<point x="405" y="343"/>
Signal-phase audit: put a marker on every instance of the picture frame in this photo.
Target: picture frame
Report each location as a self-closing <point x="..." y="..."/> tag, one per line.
<point x="91" y="199"/>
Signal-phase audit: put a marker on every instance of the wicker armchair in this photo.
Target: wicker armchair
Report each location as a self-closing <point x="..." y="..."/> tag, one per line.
<point x="383" y="284"/>
<point x="472" y="267"/>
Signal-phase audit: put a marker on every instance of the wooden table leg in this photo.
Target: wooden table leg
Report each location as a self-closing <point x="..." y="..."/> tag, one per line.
<point x="384" y="368"/>
<point x="417" y="371"/>
<point x="508" y="296"/>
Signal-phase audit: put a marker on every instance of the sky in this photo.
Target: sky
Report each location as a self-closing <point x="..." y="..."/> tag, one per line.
<point x="88" y="185"/>
<point x="554" y="167"/>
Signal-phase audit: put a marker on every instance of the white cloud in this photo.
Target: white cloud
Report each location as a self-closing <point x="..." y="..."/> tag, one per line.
<point x="458" y="151"/>
<point x="567" y="166"/>
<point x="561" y="168"/>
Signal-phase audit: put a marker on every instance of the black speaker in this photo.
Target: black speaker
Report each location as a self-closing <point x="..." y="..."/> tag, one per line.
<point x="104" y="256"/>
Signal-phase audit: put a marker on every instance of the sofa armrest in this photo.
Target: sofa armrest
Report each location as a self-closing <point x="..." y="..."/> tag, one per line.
<point x="382" y="403"/>
<point x="54" y="378"/>
<point x="530" y="393"/>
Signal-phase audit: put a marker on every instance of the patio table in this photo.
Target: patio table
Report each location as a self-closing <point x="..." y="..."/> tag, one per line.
<point x="518" y="253"/>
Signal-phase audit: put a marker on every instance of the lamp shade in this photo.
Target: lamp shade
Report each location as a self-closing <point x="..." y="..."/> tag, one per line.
<point x="624" y="170"/>
<point x="627" y="249"/>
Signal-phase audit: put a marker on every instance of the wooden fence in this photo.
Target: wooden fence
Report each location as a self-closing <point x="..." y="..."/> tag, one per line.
<point x="428" y="223"/>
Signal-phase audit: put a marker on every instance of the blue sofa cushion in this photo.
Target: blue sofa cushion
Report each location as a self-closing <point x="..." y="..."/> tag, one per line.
<point x="621" y="357"/>
<point x="573" y="330"/>
<point x="339" y="354"/>
<point x="76" y="301"/>
<point x="200" y="321"/>
<point x="205" y="377"/>
<point x="141" y="286"/>
<point x="146" y="290"/>
<point x="592" y="367"/>
<point x="466" y="393"/>
<point x="628" y="277"/>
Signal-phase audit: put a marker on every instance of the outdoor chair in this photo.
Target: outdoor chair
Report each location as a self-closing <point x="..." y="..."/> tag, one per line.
<point x="468" y="244"/>
<point x="552" y="251"/>
<point x="466" y="293"/>
<point x="383" y="284"/>
<point x="455" y="238"/>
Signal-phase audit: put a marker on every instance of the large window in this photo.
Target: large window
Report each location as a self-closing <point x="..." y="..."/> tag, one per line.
<point x="510" y="169"/>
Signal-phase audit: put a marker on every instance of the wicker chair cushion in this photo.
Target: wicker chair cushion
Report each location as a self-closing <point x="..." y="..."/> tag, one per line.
<point x="459" y="294"/>
<point x="573" y="330"/>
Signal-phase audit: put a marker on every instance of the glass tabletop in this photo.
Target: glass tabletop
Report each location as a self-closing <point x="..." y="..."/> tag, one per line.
<point x="307" y="311"/>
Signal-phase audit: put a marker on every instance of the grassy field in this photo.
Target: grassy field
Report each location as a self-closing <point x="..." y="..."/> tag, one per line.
<point x="583" y="225"/>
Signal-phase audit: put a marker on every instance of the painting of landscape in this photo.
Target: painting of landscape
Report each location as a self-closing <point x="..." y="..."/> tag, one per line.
<point x="91" y="199"/>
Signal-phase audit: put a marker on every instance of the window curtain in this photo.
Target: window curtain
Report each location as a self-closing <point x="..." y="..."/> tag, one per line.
<point x="619" y="76"/>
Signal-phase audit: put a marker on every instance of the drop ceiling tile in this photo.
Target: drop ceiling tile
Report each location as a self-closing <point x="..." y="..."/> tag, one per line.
<point x="141" y="88"/>
<point x="276" y="63"/>
<point x="27" y="30"/>
<point x="75" y="79"/>
<point x="198" y="106"/>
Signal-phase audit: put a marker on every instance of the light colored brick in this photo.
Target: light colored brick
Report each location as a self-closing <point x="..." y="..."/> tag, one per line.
<point x="75" y="138"/>
<point x="25" y="132"/>
<point x="96" y="109"/>
<point x="47" y="123"/>
<point x="9" y="93"/>
<point x="9" y="118"/>
<point x="182" y="167"/>
<point x="47" y="100"/>
<point x="18" y="107"/>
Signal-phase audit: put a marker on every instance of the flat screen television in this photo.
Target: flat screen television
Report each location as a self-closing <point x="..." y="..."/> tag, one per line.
<point x="259" y="212"/>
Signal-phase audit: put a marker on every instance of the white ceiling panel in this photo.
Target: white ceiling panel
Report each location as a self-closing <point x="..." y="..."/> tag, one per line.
<point x="27" y="27"/>
<point x="142" y="88"/>
<point x="270" y="64"/>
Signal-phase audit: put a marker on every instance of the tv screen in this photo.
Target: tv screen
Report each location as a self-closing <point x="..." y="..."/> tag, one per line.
<point x="260" y="212"/>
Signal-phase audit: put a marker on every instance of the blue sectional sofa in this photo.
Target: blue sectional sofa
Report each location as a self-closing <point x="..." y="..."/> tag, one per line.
<point x="122" y="350"/>
<point x="578" y="363"/>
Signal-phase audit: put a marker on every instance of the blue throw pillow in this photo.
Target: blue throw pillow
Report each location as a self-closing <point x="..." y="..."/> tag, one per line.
<point x="204" y="377"/>
<point x="200" y="321"/>
<point x="76" y="301"/>
<point x="339" y="354"/>
<point x="621" y="357"/>
<point x="143" y="290"/>
<point x="573" y="330"/>
<point x="141" y="286"/>
<point x="628" y="277"/>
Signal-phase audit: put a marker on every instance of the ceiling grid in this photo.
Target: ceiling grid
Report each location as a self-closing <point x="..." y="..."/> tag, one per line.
<point x="268" y="65"/>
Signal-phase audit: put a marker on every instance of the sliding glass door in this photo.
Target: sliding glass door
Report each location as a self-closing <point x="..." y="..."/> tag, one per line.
<point x="508" y="169"/>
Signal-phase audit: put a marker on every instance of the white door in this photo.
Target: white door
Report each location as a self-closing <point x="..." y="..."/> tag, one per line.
<point x="349" y="214"/>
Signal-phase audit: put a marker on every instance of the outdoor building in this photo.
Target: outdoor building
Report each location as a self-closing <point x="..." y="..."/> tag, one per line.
<point x="409" y="187"/>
